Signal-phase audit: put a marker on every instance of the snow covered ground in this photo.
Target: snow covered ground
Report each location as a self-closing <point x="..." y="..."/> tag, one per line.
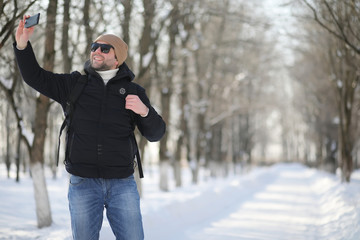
<point x="285" y="201"/>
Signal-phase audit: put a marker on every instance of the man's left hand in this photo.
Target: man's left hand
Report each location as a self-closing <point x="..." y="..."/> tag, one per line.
<point x="133" y="102"/>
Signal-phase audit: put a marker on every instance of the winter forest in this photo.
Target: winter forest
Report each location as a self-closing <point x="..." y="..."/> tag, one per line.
<point x="240" y="84"/>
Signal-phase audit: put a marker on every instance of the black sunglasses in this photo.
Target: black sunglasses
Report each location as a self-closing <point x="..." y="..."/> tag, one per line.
<point x="105" y="48"/>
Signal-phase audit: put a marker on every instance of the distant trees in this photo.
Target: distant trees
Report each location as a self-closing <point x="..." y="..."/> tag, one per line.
<point x="339" y="61"/>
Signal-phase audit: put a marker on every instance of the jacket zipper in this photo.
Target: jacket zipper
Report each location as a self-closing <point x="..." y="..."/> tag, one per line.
<point x="100" y="125"/>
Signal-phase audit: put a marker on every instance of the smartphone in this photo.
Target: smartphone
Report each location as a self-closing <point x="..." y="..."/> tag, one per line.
<point x="32" y="21"/>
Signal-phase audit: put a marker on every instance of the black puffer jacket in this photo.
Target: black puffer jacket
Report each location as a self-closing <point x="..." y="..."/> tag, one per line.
<point x="100" y="142"/>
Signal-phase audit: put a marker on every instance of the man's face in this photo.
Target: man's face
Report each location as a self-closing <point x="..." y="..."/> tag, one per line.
<point x="101" y="61"/>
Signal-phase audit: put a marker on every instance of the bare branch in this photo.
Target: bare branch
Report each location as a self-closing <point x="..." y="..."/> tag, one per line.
<point x="342" y="36"/>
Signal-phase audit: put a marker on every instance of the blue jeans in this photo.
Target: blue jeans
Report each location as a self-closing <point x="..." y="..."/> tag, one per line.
<point x="87" y="199"/>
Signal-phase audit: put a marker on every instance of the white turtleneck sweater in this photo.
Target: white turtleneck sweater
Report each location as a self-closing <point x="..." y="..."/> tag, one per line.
<point x="107" y="75"/>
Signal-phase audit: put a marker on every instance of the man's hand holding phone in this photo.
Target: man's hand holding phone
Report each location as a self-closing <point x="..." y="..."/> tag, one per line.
<point x="25" y="30"/>
<point x="32" y="21"/>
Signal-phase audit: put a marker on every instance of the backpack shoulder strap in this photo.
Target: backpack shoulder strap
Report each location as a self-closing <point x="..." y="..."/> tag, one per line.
<point x="69" y="109"/>
<point x="132" y="89"/>
<point x="75" y="94"/>
<point x="138" y="159"/>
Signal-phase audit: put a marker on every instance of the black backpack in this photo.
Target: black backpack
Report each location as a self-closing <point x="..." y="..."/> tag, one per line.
<point x="69" y="111"/>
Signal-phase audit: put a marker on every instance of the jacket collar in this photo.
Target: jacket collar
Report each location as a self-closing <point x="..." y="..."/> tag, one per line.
<point x="124" y="71"/>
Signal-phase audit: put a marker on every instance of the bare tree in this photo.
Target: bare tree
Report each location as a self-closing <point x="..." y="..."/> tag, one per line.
<point x="341" y="20"/>
<point x="10" y="12"/>
<point x="67" y="58"/>
<point x="318" y="107"/>
<point x="86" y="23"/>
<point x="186" y="23"/>
<point x="10" y="89"/>
<point x="40" y="125"/>
<point x="167" y="93"/>
<point x="125" y="25"/>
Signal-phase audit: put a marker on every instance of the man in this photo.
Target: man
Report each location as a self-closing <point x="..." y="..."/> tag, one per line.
<point x="100" y="148"/>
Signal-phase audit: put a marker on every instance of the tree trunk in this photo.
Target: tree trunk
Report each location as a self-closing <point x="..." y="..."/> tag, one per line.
<point x="88" y="29"/>
<point x="184" y="106"/>
<point x="52" y="143"/>
<point x="345" y="98"/>
<point x="125" y="26"/>
<point x="201" y="130"/>
<point x="18" y="156"/>
<point x="7" y="157"/>
<point x="346" y="145"/>
<point x="67" y="59"/>
<point x="166" y="97"/>
<point x="183" y="132"/>
<point x="146" y="42"/>
<point x="43" y="210"/>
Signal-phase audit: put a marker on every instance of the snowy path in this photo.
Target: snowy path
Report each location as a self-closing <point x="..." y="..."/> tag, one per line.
<point x="282" y="202"/>
<point x="284" y="208"/>
<point x="278" y="203"/>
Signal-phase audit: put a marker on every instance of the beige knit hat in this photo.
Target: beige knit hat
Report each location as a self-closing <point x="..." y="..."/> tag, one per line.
<point x="121" y="48"/>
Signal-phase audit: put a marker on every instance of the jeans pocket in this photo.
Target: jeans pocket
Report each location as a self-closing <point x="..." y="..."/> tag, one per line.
<point x="76" y="180"/>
